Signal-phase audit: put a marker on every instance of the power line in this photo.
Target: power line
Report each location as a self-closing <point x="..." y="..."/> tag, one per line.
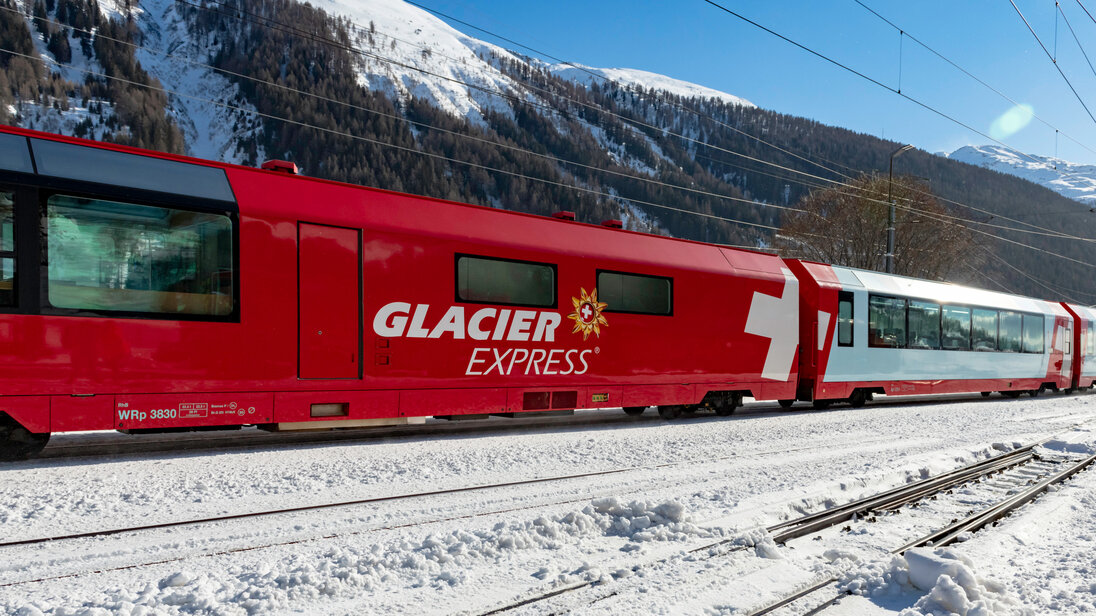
<point x="635" y="122"/>
<point x="966" y="72"/>
<point x="1052" y="60"/>
<point x="591" y="191"/>
<point x="611" y="196"/>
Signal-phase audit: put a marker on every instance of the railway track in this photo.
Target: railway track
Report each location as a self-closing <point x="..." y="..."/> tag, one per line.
<point x="112" y="445"/>
<point x="584" y="498"/>
<point x="888" y="501"/>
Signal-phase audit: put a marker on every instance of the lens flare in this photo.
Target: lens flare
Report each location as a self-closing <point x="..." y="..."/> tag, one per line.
<point x="1011" y="122"/>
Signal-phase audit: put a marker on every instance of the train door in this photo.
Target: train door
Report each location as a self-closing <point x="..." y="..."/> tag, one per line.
<point x="330" y="302"/>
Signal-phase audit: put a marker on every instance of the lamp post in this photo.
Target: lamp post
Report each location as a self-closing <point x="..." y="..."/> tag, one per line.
<point x="890" y="199"/>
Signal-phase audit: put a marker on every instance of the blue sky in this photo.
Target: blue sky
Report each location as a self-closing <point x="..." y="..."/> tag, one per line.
<point x="693" y="41"/>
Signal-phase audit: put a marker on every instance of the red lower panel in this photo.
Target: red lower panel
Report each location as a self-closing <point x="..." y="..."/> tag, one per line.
<point x="297" y="406"/>
<point x="30" y="411"/>
<point x="452" y="402"/>
<point x="138" y="412"/>
<point x="654" y="395"/>
<point x="81" y="413"/>
<point x="836" y="391"/>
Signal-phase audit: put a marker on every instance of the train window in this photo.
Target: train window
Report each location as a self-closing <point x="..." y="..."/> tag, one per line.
<point x="1033" y="333"/>
<point x="985" y="329"/>
<point x="1092" y="337"/>
<point x="924" y="325"/>
<point x="109" y="256"/>
<point x="1012" y="330"/>
<point x="7" y="249"/>
<point x="955" y="326"/>
<point x="886" y="321"/>
<point x="1067" y="339"/>
<point x="14" y="155"/>
<point x="77" y="162"/>
<point x="635" y="293"/>
<point x="844" y="318"/>
<point x="503" y="281"/>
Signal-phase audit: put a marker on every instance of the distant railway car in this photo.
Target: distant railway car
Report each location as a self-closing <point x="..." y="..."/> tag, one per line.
<point x="866" y="332"/>
<point x="142" y="292"/>
<point x="1084" y="345"/>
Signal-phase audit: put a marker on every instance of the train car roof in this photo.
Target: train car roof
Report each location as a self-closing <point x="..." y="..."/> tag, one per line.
<point x="934" y="291"/>
<point x="750" y="261"/>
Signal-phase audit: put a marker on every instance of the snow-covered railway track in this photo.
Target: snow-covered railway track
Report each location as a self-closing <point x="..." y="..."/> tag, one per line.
<point x="956" y="530"/>
<point x="578" y="494"/>
<point x="1018" y="462"/>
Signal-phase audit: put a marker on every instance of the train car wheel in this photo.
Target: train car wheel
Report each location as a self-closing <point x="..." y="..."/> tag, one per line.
<point x="18" y="443"/>
<point x="822" y="405"/>
<point x="985" y="394"/>
<point x="1034" y="393"/>
<point x="634" y="410"/>
<point x="786" y="403"/>
<point x="1011" y="394"/>
<point x="672" y="411"/>
<point x="858" y="398"/>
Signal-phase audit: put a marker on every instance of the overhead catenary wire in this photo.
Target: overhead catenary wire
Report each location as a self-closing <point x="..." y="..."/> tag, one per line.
<point x="878" y="83"/>
<point x="969" y="74"/>
<point x="392" y="145"/>
<point x="767" y="143"/>
<point x="492" y="142"/>
<point x="352" y="49"/>
<point x="1053" y="61"/>
<point x="611" y="196"/>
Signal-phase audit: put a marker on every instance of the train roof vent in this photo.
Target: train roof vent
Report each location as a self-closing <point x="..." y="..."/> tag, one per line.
<point x="283" y="166"/>
<point x="564" y="215"/>
<point x="612" y="223"/>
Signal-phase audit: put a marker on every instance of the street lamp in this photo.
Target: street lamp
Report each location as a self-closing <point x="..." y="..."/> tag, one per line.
<point x="890" y="198"/>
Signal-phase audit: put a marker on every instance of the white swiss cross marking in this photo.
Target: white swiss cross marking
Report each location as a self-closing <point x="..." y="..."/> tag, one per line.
<point x="587" y="312"/>
<point x="777" y="318"/>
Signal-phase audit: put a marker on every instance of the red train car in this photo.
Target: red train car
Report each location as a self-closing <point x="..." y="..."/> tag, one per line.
<point x="142" y="291"/>
<point x="867" y="332"/>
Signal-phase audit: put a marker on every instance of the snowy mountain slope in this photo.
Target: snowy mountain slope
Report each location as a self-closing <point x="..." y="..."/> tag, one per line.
<point x="1065" y="178"/>
<point x="587" y="75"/>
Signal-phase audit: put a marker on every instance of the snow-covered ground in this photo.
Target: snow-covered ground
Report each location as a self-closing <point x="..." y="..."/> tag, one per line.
<point x="680" y="485"/>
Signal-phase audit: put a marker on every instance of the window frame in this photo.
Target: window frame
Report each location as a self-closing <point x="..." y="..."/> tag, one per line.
<point x="456" y="281"/>
<point x="850" y="297"/>
<point x="905" y="320"/>
<point x="141" y="198"/>
<point x="1042" y="334"/>
<point x="610" y="309"/>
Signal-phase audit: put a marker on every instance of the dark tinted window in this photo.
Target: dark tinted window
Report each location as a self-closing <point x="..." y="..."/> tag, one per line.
<point x="924" y="325"/>
<point x="496" y="281"/>
<point x="956" y="328"/>
<point x="844" y="318"/>
<point x="985" y="329"/>
<point x="1012" y="332"/>
<point x="635" y="293"/>
<point x="7" y="249"/>
<point x="1033" y="333"/>
<point x="886" y="321"/>
<point x="78" y="162"/>
<point x="14" y="155"/>
<point x="109" y="256"/>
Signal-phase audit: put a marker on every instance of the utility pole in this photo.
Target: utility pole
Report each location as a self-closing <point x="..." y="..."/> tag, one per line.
<point x="890" y="199"/>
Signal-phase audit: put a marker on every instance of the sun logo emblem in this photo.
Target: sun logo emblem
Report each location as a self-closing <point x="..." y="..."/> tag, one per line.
<point x="587" y="314"/>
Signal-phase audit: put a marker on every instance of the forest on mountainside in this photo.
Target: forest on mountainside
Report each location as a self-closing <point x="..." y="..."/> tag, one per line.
<point x="628" y="150"/>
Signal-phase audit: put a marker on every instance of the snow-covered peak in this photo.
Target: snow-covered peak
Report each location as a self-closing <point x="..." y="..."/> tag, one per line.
<point x="630" y="76"/>
<point x="1068" y="179"/>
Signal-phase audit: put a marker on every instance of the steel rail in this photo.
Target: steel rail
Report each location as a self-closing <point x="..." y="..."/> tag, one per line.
<point x="951" y="533"/>
<point x="831" y="517"/>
